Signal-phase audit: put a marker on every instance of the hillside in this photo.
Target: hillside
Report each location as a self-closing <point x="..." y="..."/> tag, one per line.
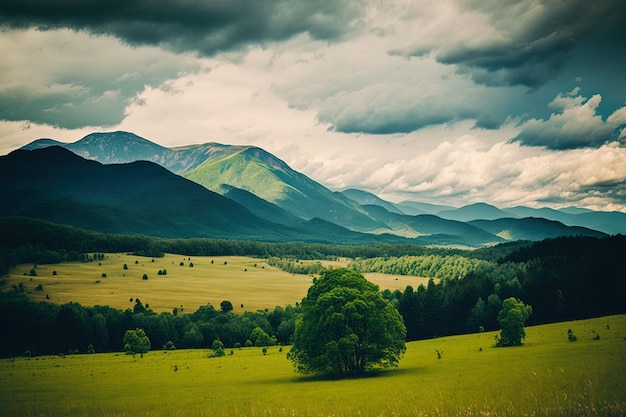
<point x="532" y="228"/>
<point x="215" y="165"/>
<point x="140" y="197"/>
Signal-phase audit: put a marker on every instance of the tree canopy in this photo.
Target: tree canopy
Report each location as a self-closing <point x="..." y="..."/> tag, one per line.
<point x="136" y="341"/>
<point x="511" y="318"/>
<point x="346" y="327"/>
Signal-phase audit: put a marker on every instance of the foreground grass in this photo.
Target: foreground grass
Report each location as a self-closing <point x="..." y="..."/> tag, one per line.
<point x="212" y="279"/>
<point x="548" y="376"/>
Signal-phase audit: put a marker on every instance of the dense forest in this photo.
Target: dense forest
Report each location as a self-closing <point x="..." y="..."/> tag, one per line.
<point x="562" y="279"/>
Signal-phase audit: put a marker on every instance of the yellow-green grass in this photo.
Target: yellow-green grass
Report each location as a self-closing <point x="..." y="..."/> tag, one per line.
<point x="232" y="278"/>
<point x="548" y="376"/>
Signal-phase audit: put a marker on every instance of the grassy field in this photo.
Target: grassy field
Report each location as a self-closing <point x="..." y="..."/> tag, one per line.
<point x="241" y="280"/>
<point x="548" y="376"/>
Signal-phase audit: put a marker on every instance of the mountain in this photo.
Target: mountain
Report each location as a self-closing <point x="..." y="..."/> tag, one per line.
<point x="110" y="148"/>
<point x="477" y="211"/>
<point x="531" y="228"/>
<point x="366" y="198"/>
<point x="415" y="207"/>
<point x="141" y="197"/>
<point x="244" y="167"/>
<point x="433" y="229"/>
<point x="257" y="171"/>
<point x="277" y="194"/>
<point x="609" y="222"/>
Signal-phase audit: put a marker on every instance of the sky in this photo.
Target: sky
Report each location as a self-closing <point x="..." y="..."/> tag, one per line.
<point x="444" y="101"/>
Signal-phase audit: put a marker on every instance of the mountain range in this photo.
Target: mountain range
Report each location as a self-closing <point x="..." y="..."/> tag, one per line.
<point x="120" y="182"/>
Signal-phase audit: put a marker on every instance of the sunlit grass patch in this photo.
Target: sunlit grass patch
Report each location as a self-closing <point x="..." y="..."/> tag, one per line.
<point x="548" y="376"/>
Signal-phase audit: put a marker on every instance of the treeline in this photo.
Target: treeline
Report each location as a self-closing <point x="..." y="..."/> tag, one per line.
<point x="42" y="328"/>
<point x="429" y="266"/>
<point x="296" y="266"/>
<point x="562" y="279"/>
<point x="26" y="240"/>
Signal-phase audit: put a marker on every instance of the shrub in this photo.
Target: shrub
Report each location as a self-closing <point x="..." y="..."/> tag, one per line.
<point x="145" y="276"/>
<point x="218" y="348"/>
<point x="570" y="335"/>
<point x="104" y="275"/>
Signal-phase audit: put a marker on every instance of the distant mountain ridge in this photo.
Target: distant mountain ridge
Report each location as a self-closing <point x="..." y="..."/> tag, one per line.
<point x="213" y="165"/>
<point x="267" y="187"/>
<point x="141" y="197"/>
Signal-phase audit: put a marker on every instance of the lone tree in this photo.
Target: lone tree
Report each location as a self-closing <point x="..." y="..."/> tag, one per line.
<point x="136" y="341"/>
<point x="346" y="327"/>
<point x="511" y="319"/>
<point x="226" y="306"/>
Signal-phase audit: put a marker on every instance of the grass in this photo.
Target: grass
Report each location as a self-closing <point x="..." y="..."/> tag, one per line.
<point x="210" y="280"/>
<point x="548" y="376"/>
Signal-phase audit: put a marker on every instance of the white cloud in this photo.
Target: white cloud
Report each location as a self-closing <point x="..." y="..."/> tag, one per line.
<point x="577" y="125"/>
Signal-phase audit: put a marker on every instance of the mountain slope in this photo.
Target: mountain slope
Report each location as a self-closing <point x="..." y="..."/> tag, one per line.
<point x="366" y="198"/>
<point x="531" y="228"/>
<point x="432" y="229"/>
<point x="140" y="197"/>
<point x="611" y="223"/>
<point x="477" y="211"/>
<point x="415" y="207"/>
<point x="245" y="167"/>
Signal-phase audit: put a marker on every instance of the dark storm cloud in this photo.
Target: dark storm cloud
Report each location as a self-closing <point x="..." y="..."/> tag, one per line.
<point x="534" y="39"/>
<point x="205" y="27"/>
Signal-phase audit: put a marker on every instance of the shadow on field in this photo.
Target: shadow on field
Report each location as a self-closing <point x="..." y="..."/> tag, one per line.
<point x="374" y="373"/>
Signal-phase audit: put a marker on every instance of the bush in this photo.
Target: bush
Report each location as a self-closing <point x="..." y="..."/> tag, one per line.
<point x="218" y="348"/>
<point x="570" y="335"/>
<point x="145" y="276"/>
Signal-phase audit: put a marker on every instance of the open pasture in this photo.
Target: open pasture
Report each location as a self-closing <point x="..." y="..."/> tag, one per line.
<point x="548" y="376"/>
<point x="246" y="281"/>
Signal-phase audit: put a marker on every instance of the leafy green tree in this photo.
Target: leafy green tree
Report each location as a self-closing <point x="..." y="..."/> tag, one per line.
<point x="346" y="327"/>
<point x="260" y="338"/>
<point x="218" y="348"/>
<point x="136" y="341"/>
<point x="511" y="319"/>
<point x="226" y="306"/>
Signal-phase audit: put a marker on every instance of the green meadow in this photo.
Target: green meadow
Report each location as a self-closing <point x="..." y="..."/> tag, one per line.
<point x="239" y="279"/>
<point x="547" y="376"/>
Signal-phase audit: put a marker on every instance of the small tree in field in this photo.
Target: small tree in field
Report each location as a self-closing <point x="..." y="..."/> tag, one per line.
<point x="511" y="318"/>
<point x="226" y="306"/>
<point x="218" y="348"/>
<point x="136" y="341"/>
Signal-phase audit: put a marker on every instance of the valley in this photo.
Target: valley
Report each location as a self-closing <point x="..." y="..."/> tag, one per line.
<point x="200" y="280"/>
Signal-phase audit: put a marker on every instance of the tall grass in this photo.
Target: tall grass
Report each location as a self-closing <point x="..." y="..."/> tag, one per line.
<point x="548" y="376"/>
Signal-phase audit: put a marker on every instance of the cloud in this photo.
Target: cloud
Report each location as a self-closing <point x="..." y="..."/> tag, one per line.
<point x="203" y="27"/>
<point x="576" y="126"/>
<point x="515" y="42"/>
<point x="73" y="80"/>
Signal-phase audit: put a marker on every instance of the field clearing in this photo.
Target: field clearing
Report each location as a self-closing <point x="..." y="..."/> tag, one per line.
<point x="548" y="376"/>
<point x="212" y="279"/>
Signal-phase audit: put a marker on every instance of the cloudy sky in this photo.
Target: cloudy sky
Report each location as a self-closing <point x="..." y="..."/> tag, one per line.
<point x="443" y="101"/>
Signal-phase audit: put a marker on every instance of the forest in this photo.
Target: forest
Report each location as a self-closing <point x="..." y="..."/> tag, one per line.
<point x="562" y="279"/>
